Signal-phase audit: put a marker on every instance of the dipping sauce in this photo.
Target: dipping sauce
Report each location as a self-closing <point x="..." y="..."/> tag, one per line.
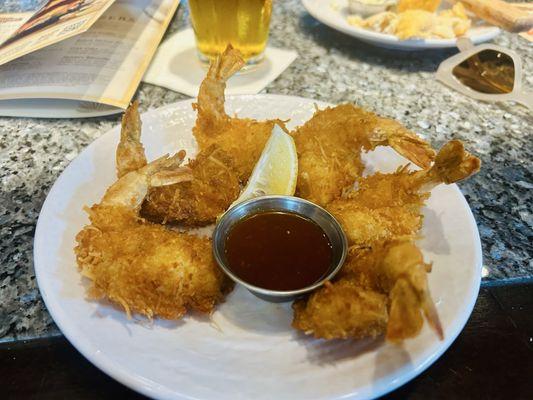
<point x="278" y="251"/>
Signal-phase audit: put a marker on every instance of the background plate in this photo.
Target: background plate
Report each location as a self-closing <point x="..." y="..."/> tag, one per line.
<point x="335" y="17"/>
<point x="247" y="349"/>
<point x="55" y="108"/>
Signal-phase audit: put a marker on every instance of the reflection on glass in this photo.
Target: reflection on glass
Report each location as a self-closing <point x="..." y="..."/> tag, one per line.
<point x="488" y="71"/>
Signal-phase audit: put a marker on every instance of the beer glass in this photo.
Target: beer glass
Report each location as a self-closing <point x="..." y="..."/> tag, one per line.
<point x="243" y="23"/>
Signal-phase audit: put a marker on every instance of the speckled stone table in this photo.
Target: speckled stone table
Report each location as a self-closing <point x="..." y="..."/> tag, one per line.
<point x="331" y="67"/>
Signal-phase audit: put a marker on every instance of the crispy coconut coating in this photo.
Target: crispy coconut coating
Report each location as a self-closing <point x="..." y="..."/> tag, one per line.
<point x="214" y="186"/>
<point x="329" y="149"/>
<point x="146" y="268"/>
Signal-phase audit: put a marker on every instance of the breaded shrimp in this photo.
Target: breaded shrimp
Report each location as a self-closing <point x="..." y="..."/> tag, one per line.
<point x="213" y="187"/>
<point x="243" y="139"/>
<point x="397" y="269"/>
<point x="329" y="149"/>
<point x="386" y="294"/>
<point x="388" y="206"/>
<point x="144" y="267"/>
<point x="229" y="148"/>
<point x="381" y="220"/>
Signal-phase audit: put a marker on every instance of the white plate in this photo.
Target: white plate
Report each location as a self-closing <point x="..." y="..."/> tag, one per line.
<point x="248" y="349"/>
<point x="333" y="13"/>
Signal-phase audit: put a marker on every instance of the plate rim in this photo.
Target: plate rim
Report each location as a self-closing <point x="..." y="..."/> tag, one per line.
<point x="390" y="41"/>
<point x="152" y="389"/>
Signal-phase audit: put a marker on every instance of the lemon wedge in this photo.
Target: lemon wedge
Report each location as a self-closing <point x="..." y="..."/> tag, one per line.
<point x="276" y="171"/>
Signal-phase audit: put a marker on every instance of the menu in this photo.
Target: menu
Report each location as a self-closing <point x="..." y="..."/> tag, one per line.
<point x="56" y="20"/>
<point x="92" y="73"/>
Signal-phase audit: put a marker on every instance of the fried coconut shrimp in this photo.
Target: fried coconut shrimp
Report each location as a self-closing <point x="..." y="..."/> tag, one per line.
<point x="385" y="292"/>
<point x="229" y="148"/>
<point x="382" y="287"/>
<point x="241" y="138"/>
<point x="141" y="266"/>
<point x="387" y="206"/>
<point x="213" y="186"/>
<point x="329" y="149"/>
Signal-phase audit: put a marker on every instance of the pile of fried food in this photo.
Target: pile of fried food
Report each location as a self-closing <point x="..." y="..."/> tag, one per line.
<point x="417" y="19"/>
<point x="134" y="256"/>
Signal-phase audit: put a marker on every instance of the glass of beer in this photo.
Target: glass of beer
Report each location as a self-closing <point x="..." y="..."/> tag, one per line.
<point x="243" y="23"/>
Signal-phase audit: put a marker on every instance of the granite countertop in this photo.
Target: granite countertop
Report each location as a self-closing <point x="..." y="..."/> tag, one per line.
<point x="331" y="67"/>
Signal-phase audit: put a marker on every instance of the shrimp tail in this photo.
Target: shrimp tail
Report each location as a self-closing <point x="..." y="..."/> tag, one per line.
<point x="130" y="154"/>
<point x="430" y="312"/>
<point x="452" y="164"/>
<point x="130" y="190"/>
<point x="210" y="104"/>
<point x="404" y="142"/>
<point x="227" y="64"/>
<point x="405" y="320"/>
<point x="170" y="172"/>
<point x="404" y="273"/>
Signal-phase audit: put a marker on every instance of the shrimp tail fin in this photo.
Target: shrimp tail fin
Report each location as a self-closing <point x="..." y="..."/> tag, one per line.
<point x="227" y="64"/>
<point x="404" y="275"/>
<point x="130" y="154"/>
<point x="405" y="320"/>
<point x="170" y="172"/>
<point x="210" y="104"/>
<point x="404" y="142"/>
<point x="452" y="164"/>
<point x="430" y="312"/>
<point x="130" y="190"/>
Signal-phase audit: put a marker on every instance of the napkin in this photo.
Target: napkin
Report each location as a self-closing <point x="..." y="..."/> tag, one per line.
<point x="176" y="66"/>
